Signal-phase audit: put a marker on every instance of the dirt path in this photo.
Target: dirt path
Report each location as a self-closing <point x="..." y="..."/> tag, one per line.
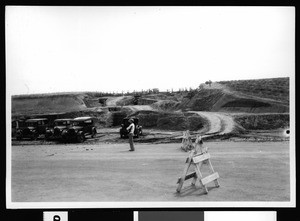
<point x="219" y="123"/>
<point x="139" y="107"/>
<point x="112" y="101"/>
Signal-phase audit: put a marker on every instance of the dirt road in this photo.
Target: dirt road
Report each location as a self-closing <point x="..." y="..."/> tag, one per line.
<point x="219" y="123"/>
<point x="112" y="101"/>
<point x="110" y="173"/>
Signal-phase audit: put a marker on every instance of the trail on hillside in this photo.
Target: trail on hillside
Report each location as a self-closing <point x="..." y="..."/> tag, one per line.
<point x="112" y="101"/>
<point x="227" y="90"/>
<point x="139" y="107"/>
<point x="219" y="123"/>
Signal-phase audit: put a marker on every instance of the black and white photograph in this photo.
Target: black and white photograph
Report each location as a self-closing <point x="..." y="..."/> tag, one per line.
<point x="150" y="106"/>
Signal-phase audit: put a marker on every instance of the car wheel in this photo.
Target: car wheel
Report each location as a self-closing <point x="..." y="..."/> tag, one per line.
<point x="47" y="136"/>
<point x="80" y="138"/>
<point x="35" y="136"/>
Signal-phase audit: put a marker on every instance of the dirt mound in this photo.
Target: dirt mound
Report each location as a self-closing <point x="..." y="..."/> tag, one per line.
<point x="203" y="100"/>
<point x="146" y="101"/>
<point x="272" y="88"/>
<point x="170" y="120"/>
<point x="166" y="105"/>
<point x="263" y="121"/>
<point x="47" y="104"/>
<point x="161" y="96"/>
<point x="216" y="98"/>
<point x="126" y="100"/>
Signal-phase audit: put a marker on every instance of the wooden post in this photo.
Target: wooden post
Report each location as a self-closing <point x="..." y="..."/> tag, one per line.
<point x="186" y="143"/>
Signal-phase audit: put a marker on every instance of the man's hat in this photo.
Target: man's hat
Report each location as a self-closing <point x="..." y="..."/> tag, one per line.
<point x="131" y="120"/>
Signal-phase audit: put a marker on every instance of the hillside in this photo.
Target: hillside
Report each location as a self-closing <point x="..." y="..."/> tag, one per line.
<point x="272" y="88"/>
<point x="221" y="107"/>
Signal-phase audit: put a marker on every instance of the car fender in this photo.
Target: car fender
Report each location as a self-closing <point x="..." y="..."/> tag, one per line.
<point x="64" y="132"/>
<point x="80" y="132"/>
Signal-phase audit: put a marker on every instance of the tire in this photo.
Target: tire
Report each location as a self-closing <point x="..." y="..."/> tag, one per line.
<point x="47" y="136"/>
<point x="80" y="138"/>
<point x="35" y="136"/>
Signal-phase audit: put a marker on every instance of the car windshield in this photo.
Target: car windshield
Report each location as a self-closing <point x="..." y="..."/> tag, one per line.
<point x="78" y="123"/>
<point x="61" y="123"/>
<point x="31" y="124"/>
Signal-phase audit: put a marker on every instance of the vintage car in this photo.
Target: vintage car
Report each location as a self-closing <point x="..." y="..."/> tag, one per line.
<point x="15" y="125"/>
<point x="32" y="129"/>
<point x="59" y="126"/>
<point x="80" y="128"/>
<point x="125" y="123"/>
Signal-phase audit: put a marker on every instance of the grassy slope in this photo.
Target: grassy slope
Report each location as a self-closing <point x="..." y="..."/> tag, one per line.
<point x="47" y="104"/>
<point x="272" y="88"/>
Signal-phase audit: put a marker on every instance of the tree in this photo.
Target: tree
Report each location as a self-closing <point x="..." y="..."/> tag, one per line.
<point x="155" y="90"/>
<point x="208" y="82"/>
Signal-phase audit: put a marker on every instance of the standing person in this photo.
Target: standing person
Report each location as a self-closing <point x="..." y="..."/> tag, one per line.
<point x="130" y="129"/>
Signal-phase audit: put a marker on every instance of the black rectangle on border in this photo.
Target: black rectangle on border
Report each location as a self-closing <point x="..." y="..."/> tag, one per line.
<point x="171" y="215"/>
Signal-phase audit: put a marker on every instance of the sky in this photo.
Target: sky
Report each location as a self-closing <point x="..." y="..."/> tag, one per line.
<point x="113" y="49"/>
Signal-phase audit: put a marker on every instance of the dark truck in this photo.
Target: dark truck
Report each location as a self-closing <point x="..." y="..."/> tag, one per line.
<point x="80" y="128"/>
<point x="59" y="126"/>
<point x="16" y="125"/>
<point x="125" y="123"/>
<point x="32" y="129"/>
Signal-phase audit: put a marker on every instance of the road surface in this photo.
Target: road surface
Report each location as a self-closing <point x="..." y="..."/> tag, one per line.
<point x="103" y="172"/>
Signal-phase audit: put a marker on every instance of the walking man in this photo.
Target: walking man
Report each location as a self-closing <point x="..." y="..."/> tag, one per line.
<point x="130" y="129"/>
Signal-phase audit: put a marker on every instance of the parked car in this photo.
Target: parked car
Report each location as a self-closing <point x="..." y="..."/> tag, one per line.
<point x="15" y="125"/>
<point x="59" y="126"/>
<point x="32" y="129"/>
<point x="80" y="128"/>
<point x="125" y="123"/>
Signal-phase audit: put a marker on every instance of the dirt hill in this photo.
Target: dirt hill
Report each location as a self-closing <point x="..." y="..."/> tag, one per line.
<point x="220" y="107"/>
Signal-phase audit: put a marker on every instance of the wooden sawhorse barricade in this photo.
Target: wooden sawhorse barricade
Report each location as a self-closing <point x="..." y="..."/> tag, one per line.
<point x="186" y="143"/>
<point x="197" y="160"/>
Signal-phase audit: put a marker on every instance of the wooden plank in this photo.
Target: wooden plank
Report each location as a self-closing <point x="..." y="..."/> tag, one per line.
<point x="181" y="180"/>
<point x="210" y="178"/>
<point x="201" y="157"/>
<point x="188" y="176"/>
<point x="212" y="171"/>
<point x="199" y="175"/>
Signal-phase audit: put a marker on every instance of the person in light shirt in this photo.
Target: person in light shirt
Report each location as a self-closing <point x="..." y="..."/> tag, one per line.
<point x="130" y="129"/>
